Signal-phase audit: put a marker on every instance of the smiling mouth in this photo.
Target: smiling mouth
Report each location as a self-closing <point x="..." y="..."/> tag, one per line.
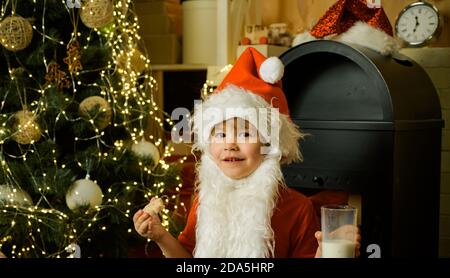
<point x="232" y="159"/>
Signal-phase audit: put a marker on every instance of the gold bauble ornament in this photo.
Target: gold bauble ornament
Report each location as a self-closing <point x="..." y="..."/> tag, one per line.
<point x="133" y="60"/>
<point x="103" y="118"/>
<point x="146" y="150"/>
<point x="84" y="192"/>
<point x="26" y="129"/>
<point x="97" y="13"/>
<point x="15" y="33"/>
<point x="10" y="195"/>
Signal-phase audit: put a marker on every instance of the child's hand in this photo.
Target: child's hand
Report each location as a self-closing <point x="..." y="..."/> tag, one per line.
<point x="318" y="236"/>
<point x="148" y="225"/>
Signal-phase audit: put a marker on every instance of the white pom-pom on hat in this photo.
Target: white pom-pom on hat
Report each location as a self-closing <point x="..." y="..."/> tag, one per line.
<point x="271" y="70"/>
<point x="245" y="88"/>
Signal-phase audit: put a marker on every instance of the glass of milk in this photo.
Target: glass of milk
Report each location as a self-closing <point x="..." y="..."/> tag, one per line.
<point x="339" y="231"/>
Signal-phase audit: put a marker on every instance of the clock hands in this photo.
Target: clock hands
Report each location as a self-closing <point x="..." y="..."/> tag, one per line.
<point x="417" y="24"/>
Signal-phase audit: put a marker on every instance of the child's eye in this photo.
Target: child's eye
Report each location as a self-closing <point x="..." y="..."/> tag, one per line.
<point x="244" y="134"/>
<point x="219" y="135"/>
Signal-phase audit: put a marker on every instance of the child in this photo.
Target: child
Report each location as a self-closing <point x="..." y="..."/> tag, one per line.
<point x="243" y="208"/>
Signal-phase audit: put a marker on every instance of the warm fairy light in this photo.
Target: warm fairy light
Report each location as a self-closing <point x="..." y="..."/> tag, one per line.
<point x="136" y="88"/>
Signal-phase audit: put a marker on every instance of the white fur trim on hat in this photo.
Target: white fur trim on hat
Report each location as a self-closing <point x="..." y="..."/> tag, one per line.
<point x="302" y="38"/>
<point x="271" y="70"/>
<point x="368" y="36"/>
<point x="235" y="102"/>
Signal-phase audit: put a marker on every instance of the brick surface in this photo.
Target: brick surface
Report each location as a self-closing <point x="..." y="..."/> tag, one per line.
<point x="444" y="226"/>
<point x="445" y="183"/>
<point x="444" y="247"/>
<point x="445" y="204"/>
<point x="445" y="162"/>
<point x="444" y="97"/>
<point x="429" y="57"/>
<point x="445" y="139"/>
<point x="440" y="77"/>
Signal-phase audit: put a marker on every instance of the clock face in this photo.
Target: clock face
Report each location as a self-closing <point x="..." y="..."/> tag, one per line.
<point x="417" y="23"/>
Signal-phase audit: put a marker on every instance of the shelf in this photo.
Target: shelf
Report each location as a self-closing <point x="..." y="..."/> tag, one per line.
<point x="178" y="67"/>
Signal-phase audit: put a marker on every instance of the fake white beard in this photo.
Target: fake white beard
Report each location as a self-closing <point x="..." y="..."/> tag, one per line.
<point x="234" y="216"/>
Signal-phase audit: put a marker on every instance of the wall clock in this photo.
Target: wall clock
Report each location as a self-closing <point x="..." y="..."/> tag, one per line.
<point x="418" y="23"/>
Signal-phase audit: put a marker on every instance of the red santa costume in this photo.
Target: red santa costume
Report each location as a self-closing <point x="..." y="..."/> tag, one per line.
<point x="256" y="216"/>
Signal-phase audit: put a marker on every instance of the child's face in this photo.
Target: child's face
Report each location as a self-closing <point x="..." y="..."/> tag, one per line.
<point x="236" y="148"/>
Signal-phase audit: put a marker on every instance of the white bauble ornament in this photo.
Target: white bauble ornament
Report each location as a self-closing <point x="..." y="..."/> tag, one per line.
<point x="10" y="195"/>
<point x="145" y="149"/>
<point x="97" y="13"/>
<point x="26" y="129"/>
<point x="74" y="250"/>
<point x="83" y="192"/>
<point x="103" y="117"/>
<point x="15" y="33"/>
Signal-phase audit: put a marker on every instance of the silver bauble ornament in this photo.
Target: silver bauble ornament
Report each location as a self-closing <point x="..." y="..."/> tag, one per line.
<point x="145" y="149"/>
<point x="74" y="250"/>
<point x="83" y="192"/>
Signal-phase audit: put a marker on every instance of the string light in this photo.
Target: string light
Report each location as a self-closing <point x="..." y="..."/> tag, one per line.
<point x="136" y="87"/>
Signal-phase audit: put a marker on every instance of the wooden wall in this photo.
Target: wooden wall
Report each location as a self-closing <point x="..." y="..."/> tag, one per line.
<point x="303" y="14"/>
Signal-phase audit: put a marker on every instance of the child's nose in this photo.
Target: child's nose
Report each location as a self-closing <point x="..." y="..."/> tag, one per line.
<point x="231" y="146"/>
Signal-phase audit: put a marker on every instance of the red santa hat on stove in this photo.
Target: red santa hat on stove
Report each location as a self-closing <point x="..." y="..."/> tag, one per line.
<point x="356" y="22"/>
<point x="252" y="85"/>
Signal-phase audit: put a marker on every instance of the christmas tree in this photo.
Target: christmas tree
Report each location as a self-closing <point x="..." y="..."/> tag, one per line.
<point x="81" y="139"/>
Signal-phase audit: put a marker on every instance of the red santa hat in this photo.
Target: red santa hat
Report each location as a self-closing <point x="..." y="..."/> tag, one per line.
<point x="354" y="21"/>
<point x="250" y="91"/>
